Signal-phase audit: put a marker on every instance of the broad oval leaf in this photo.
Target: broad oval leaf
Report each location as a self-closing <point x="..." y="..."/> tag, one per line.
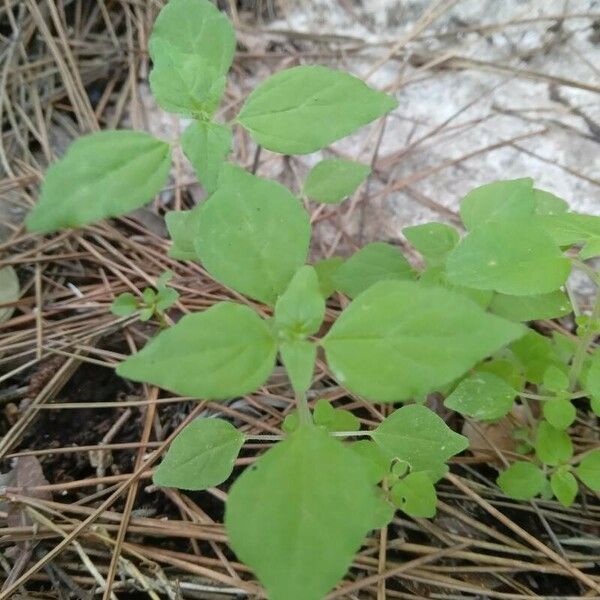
<point x="400" y="340"/>
<point x="333" y="179"/>
<point x="482" y="396"/>
<point x="182" y="226"/>
<point x="415" y="495"/>
<point x="522" y="480"/>
<point x="303" y="109"/>
<point x="298" y="516"/>
<point x="252" y="235"/>
<point x="564" y="486"/>
<point x="588" y="470"/>
<point x="559" y="412"/>
<point x="374" y="262"/>
<point x="567" y="229"/>
<point x="552" y="446"/>
<point x="498" y="201"/>
<point x="301" y="308"/>
<point x="531" y="308"/>
<point x="433" y="240"/>
<point x="9" y="291"/>
<point x="197" y="27"/>
<point x="104" y="174"/>
<point x="419" y="437"/>
<point x="201" y="456"/>
<point x="222" y="352"/>
<point x="207" y="145"/>
<point x="511" y="257"/>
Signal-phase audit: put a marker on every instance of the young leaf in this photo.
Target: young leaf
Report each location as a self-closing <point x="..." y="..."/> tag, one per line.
<point x="298" y="516"/>
<point x="433" y="240"/>
<point x="104" y="174"/>
<point x="482" y="396"/>
<point x="166" y="298"/>
<point x="400" y="340"/>
<point x="198" y="28"/>
<point x="184" y="83"/>
<point x="124" y="305"/>
<point x="252" y="235"/>
<point x="222" y="352"/>
<point x="334" y="179"/>
<point x="560" y="413"/>
<point x="437" y="276"/>
<point x="564" y="486"/>
<point x="511" y="257"/>
<point x="498" y="201"/>
<point x="588" y="470"/>
<point x="531" y="308"/>
<point x="298" y="357"/>
<point x="335" y="419"/>
<point x="570" y="228"/>
<point x="415" y="495"/>
<point x="9" y="291"/>
<point x="325" y="269"/>
<point x="207" y="145"/>
<point x="182" y="226"/>
<point x="372" y="263"/>
<point x="591" y="382"/>
<point x="507" y="370"/>
<point x="303" y="109"/>
<point x="536" y="353"/>
<point x="552" y="446"/>
<point x="418" y="436"/>
<point x="375" y="459"/>
<point x="546" y="203"/>
<point x="555" y="379"/>
<point x="201" y="456"/>
<point x="300" y="310"/>
<point x="522" y="481"/>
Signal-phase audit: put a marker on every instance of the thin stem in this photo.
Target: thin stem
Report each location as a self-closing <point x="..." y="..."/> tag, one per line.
<point x="344" y="434"/>
<point x="277" y="438"/>
<point x="303" y="409"/>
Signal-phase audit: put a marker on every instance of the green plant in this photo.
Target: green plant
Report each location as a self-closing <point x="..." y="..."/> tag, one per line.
<point x="299" y="514"/>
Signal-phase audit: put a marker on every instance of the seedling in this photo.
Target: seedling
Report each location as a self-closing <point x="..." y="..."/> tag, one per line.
<point x="301" y="512"/>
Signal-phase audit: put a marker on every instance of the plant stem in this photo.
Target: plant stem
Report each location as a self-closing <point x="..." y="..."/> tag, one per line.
<point x="303" y="409"/>
<point x="584" y="344"/>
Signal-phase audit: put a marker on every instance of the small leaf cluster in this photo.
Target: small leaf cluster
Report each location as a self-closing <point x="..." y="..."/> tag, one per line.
<point x="457" y="327"/>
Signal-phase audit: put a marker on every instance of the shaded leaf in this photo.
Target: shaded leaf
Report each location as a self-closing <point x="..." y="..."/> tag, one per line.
<point x="522" y="480"/>
<point x="552" y="446"/>
<point x="298" y="357"/>
<point x="530" y="308"/>
<point x="433" y="240"/>
<point x="415" y="495"/>
<point x="564" y="486"/>
<point x="334" y="179"/>
<point x="588" y="470"/>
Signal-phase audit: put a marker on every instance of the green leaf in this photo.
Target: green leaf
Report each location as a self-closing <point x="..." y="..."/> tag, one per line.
<point x="325" y="270"/>
<point x="436" y="276"/>
<point x="560" y="412"/>
<point x="124" y="305"/>
<point x="291" y="422"/>
<point x="536" y="353"/>
<point x="375" y="459"/>
<point x="299" y="515"/>
<point x="552" y="446"/>
<point x="9" y="291"/>
<point x="505" y="369"/>
<point x="570" y="228"/>
<point x="555" y="379"/>
<point x="201" y="456"/>
<point x="415" y="495"/>
<point x="306" y="108"/>
<point x="334" y="179"/>
<point x="592" y="379"/>
<point x="588" y="470"/>
<point x="166" y="298"/>
<point x="595" y="405"/>
<point x="298" y="357"/>
<point x="334" y="419"/>
<point x="146" y="314"/>
<point x="183" y="226"/>
<point x="372" y="263"/>
<point x="418" y="436"/>
<point x="433" y="240"/>
<point x="482" y="396"/>
<point x="591" y="249"/>
<point x="252" y="235"/>
<point x="184" y="83"/>
<point x="512" y="257"/>
<point x="198" y="28"/>
<point x="222" y="352"/>
<point x="531" y="308"/>
<point x="546" y="203"/>
<point x="498" y="201"/>
<point x="104" y="174"/>
<point x="564" y="486"/>
<point x="522" y="481"/>
<point x="400" y="340"/>
<point x="207" y="145"/>
<point x="300" y="310"/>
